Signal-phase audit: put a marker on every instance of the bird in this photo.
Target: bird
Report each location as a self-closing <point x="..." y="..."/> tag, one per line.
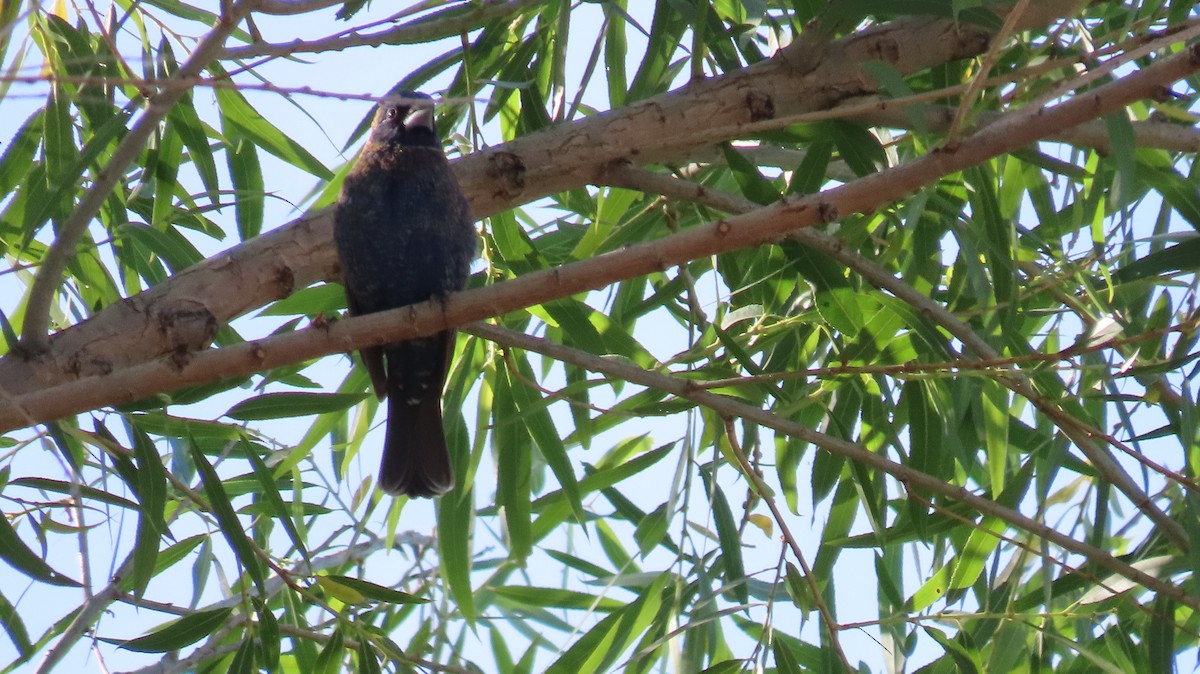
<point x="404" y="234"/>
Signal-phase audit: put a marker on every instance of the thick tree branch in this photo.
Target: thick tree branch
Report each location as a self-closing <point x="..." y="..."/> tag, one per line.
<point x="1151" y="134"/>
<point x="759" y="227"/>
<point x="45" y="285"/>
<point x="907" y="476"/>
<point x="182" y="311"/>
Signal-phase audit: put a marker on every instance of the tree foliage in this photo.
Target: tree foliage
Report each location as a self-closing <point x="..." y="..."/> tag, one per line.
<point x="806" y="337"/>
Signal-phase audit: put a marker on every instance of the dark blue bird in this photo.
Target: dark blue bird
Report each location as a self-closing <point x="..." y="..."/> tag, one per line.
<point x="404" y="235"/>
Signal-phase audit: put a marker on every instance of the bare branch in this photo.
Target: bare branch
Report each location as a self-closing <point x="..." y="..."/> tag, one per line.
<point x="426" y="29"/>
<point x="292" y="7"/>
<point x="907" y="476"/>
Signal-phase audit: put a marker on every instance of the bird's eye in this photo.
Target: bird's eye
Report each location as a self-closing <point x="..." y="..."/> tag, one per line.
<point x="391" y="113"/>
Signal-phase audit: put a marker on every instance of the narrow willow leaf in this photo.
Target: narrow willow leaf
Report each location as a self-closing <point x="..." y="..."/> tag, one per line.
<point x="330" y="659"/>
<point x="655" y="73"/>
<point x="244" y="660"/>
<point x="513" y="465"/>
<point x="11" y="619"/>
<point x="168" y="244"/>
<point x="326" y="298"/>
<point x="615" y="52"/>
<point x="17" y="159"/>
<point x="166" y="175"/>
<point x="227" y="519"/>
<point x="974" y="556"/>
<point x="552" y="597"/>
<point x="995" y="401"/>
<point x="59" y="149"/>
<point x="455" y="514"/>
<point x="370" y="590"/>
<point x="186" y="122"/>
<point x="63" y="487"/>
<point x="858" y="147"/>
<point x="268" y="637"/>
<point x="651" y="529"/>
<point x="249" y="189"/>
<point x="600" y="647"/>
<point x="286" y="405"/>
<point x="1180" y="257"/>
<point x="541" y="428"/>
<point x="368" y="663"/>
<point x="270" y="491"/>
<point x="785" y="660"/>
<point x="181" y="633"/>
<point x="236" y="110"/>
<point x="731" y="544"/>
<point x="14" y="551"/>
<point x="168" y="557"/>
<point x="754" y="186"/>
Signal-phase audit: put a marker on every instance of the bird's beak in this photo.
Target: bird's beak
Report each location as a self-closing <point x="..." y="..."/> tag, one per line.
<point x="420" y="115"/>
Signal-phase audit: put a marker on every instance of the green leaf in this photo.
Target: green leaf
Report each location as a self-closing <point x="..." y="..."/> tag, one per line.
<point x="168" y="557"/>
<point x="995" y="403"/>
<point x="186" y="122"/>
<point x="14" y="551"/>
<point x="59" y="149"/>
<point x="181" y="633"/>
<point x="330" y="659"/>
<point x="270" y="491"/>
<point x="326" y="298"/>
<point x="152" y="494"/>
<point x="513" y="465"/>
<point x="11" y="619"/>
<point x="785" y="660"/>
<point x="857" y="146"/>
<point x="237" y="111"/>
<point x="227" y="519"/>
<point x="600" y="647"/>
<point x="286" y="405"/>
<point x="244" y="660"/>
<point x="455" y="514"/>
<point x="731" y="543"/>
<point x="1180" y="257"/>
<point x="63" y="487"/>
<point x="372" y="591"/>
<point x="537" y="421"/>
<point x="367" y="662"/>
<point x="249" y="189"/>
<point x="754" y="186"/>
<point x="166" y="174"/>
<point x="552" y="597"/>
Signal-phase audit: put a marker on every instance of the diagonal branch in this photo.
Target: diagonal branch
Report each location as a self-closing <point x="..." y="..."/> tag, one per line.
<point x="181" y="313"/>
<point x="426" y="29"/>
<point x="756" y="228"/>
<point x="904" y="474"/>
<point x="45" y="286"/>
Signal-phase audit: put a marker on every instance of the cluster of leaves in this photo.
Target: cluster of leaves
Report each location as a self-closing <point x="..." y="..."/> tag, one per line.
<point x="565" y="545"/>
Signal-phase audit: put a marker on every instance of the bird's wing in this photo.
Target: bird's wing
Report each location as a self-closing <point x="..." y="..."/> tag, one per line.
<point x="372" y="356"/>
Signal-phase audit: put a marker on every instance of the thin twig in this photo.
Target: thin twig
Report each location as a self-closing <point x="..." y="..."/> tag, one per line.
<point x="1081" y="433"/>
<point x="906" y="475"/>
<point x="765" y="492"/>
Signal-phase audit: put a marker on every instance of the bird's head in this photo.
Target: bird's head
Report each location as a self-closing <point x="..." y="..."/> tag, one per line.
<point x="405" y="118"/>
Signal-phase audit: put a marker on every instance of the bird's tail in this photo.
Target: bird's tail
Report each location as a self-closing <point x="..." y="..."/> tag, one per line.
<point x="416" y="462"/>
